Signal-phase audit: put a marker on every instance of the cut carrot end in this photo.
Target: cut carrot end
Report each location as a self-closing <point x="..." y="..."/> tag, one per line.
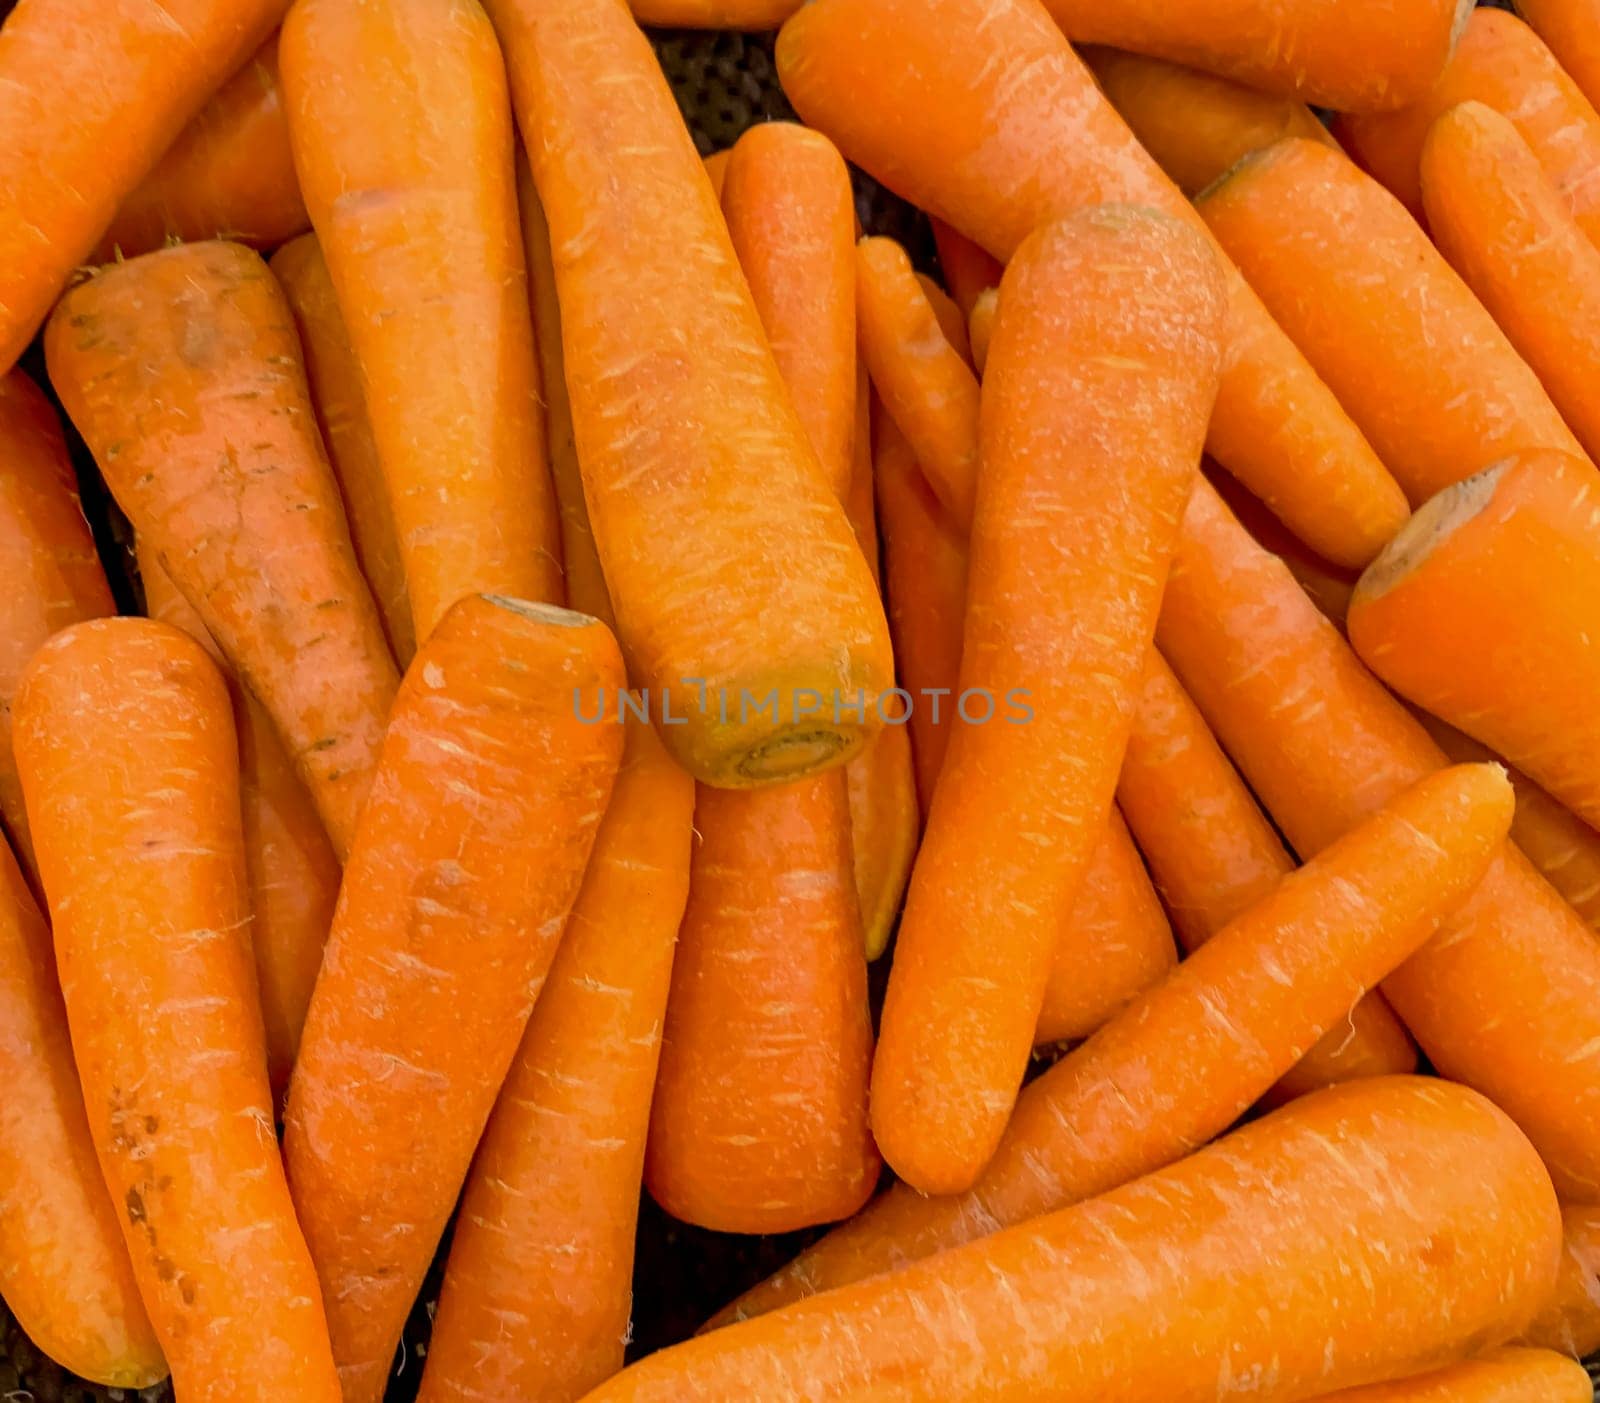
<point x="1430" y="525"/>
<point x="791" y="755"/>
<point x="551" y="614"/>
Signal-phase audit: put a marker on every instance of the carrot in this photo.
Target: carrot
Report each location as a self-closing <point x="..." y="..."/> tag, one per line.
<point x="951" y="322"/>
<point x="182" y="371"/>
<point x="716" y="168"/>
<point x="714" y="14"/>
<point x="125" y="741"/>
<point x="536" y="1295"/>
<point x="1502" y="63"/>
<point x="1505" y="230"/>
<point x="1243" y="1008"/>
<point x="50" y="573"/>
<point x="341" y="409"/>
<point x="1571" y="30"/>
<point x="987" y="120"/>
<point x="465" y="866"/>
<point x="64" y="1271"/>
<point x="1411" y="353"/>
<point x="91" y="93"/>
<point x="980" y="331"/>
<point x="1196" y="125"/>
<point x="969" y="271"/>
<point x="230" y="174"/>
<point x="1503" y="1376"/>
<point x="1570" y="1319"/>
<point x="291" y="871"/>
<point x="1102" y="374"/>
<point x="733" y="569"/>
<point x="1507" y="999"/>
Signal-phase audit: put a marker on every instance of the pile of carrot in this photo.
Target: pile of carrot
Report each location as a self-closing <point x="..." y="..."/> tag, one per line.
<point x="596" y="603"/>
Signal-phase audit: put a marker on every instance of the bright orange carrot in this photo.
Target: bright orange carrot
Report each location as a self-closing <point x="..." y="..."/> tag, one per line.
<point x="230" y="175"/>
<point x="91" y="93"/>
<point x="1104" y="364"/>
<point x="988" y="120"/>
<point x="980" y="330"/>
<point x="50" y="573"/>
<point x="715" y="14"/>
<point x="536" y="1296"/>
<point x="341" y="407"/>
<point x="1508" y="997"/>
<point x="1570" y="1320"/>
<point x="182" y="371"/>
<point x="465" y="866"/>
<point x="1503" y="1376"/>
<point x="969" y="271"/>
<point x="1571" y="30"/>
<point x="951" y="322"/>
<point x="1411" y="353"/>
<point x="125" y="741"/>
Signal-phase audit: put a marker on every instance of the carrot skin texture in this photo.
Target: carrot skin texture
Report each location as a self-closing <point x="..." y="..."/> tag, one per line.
<point x="49" y="568"/>
<point x="546" y="1229"/>
<point x="989" y="121"/>
<point x="1570" y="1319"/>
<point x="125" y="740"/>
<point x="465" y="867"/>
<point x="729" y="561"/>
<point x="969" y="271"/>
<point x="714" y="14"/>
<point x="1507" y="1375"/>
<point x="1571" y="31"/>
<point x="1183" y="1061"/>
<point x="136" y="76"/>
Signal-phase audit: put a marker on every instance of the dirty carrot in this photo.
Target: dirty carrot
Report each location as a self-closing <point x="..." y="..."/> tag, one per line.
<point x="50" y="573"/>
<point x="733" y="569"/>
<point x="125" y="741"/>
<point x="341" y="408"/>
<point x="1507" y="1375"/>
<point x="230" y="175"/>
<point x="988" y="120"/>
<point x="1507" y="999"/>
<point x="1571" y="31"/>
<point x="714" y="14"/>
<point x="968" y="269"/>
<point x="1570" y="1319"/>
<point x="182" y="371"/>
<point x="1243" y="1008"/>
<point x="980" y="329"/>
<point x="1434" y="384"/>
<point x="466" y="863"/>
<point x="537" y="1294"/>
<point x="91" y="93"/>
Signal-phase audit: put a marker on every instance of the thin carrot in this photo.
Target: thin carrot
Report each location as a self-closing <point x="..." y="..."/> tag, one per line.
<point x="182" y="371"/>
<point x="91" y="93"/>
<point x="1243" y="1008"/>
<point x="467" y="861"/>
<point x="1328" y="587"/>
<point x="341" y="408"/>
<point x="716" y="167"/>
<point x="988" y="120"/>
<point x="715" y="14"/>
<point x="969" y="271"/>
<point x="50" y="570"/>
<point x="230" y="175"/>
<point x="980" y="330"/>
<point x="536" y="1295"/>
<point x="1571" y="30"/>
<point x="125" y="740"/>
<point x="1570" y="1319"/>
<point x="1507" y="999"/>
<point x="1102" y="374"/>
<point x="1504" y="1376"/>
<point x="951" y="322"/>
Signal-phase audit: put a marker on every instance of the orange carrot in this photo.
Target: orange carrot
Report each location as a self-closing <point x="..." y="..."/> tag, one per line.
<point x="341" y="407"/>
<point x="714" y="14"/>
<point x="50" y="574"/>
<point x="969" y="271"/>
<point x="951" y="322"/>
<point x="980" y="330"/>
<point x="125" y="741"/>
<point x="1498" y="219"/>
<point x="1196" y="125"/>
<point x="182" y="371"/>
<point x="1570" y="1320"/>
<point x="91" y="93"/>
<point x="732" y="567"/>
<point x="465" y="866"/>
<point x="230" y="175"/>
<point x="1411" y="353"/>
<point x="1503" y="1376"/>
<point x="536" y="1295"/>
<point x="1571" y="30"/>
<point x="1104" y="364"/>
<point x="716" y="166"/>
<point x="1507" y="999"/>
<point x="987" y="119"/>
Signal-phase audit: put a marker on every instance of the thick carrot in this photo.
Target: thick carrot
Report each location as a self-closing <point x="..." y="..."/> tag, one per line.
<point x="1102" y="374"/>
<point x="417" y="219"/>
<point x="125" y="740"/>
<point x="465" y="866"/>
<point x="1570" y="1319"/>
<point x="1502" y="63"/>
<point x="1197" y="125"/>
<point x="988" y="120"/>
<point x="536" y="1295"/>
<point x="91" y="93"/>
<point x="1571" y="30"/>
<point x="230" y="175"/>
<point x="292" y="873"/>
<point x="182" y="371"/>
<point x="1508" y="1375"/>
<point x="733" y="569"/>
<point x="64" y="1270"/>
<point x="980" y="328"/>
<point x="1242" y="1009"/>
<point x="969" y="271"/>
<point x="1498" y="219"/>
<point x="1411" y="353"/>
<point x="1507" y="999"/>
<point x="715" y="14"/>
<point x="341" y="407"/>
<point x="50" y="574"/>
